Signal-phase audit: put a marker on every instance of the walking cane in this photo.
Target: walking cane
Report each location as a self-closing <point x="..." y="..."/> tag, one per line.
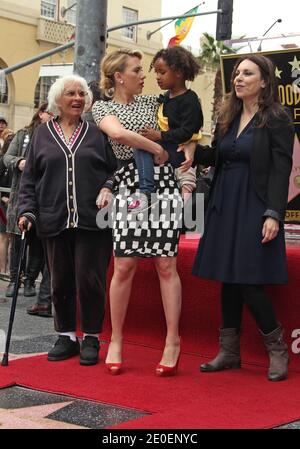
<point x="14" y="299"/>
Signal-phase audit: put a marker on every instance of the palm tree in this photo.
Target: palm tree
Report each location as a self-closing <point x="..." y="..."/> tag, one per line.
<point x="210" y="57"/>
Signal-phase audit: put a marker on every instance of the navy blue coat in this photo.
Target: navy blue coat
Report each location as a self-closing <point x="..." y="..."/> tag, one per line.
<point x="271" y="163"/>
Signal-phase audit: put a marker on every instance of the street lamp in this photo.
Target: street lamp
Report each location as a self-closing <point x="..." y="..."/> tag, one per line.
<point x="279" y="21"/>
<point x="64" y="10"/>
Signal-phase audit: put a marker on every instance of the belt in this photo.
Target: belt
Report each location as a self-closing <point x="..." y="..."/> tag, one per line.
<point x="217" y="196"/>
<point x="228" y="165"/>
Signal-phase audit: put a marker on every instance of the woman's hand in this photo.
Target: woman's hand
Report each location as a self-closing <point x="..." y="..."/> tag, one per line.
<point x="24" y="224"/>
<point x="189" y="151"/>
<point x="161" y="157"/>
<point x="5" y="200"/>
<point x="270" y="229"/>
<point x="21" y="164"/>
<point x="205" y="170"/>
<point x="150" y="133"/>
<point x="104" y="198"/>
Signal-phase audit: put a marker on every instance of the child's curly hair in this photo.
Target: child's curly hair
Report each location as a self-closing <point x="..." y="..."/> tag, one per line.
<point x="178" y="58"/>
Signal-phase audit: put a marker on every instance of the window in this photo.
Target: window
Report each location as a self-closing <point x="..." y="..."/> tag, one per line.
<point x="71" y="13"/>
<point x="42" y="89"/>
<point x="3" y="89"/>
<point x="48" y="9"/>
<point x="130" y="15"/>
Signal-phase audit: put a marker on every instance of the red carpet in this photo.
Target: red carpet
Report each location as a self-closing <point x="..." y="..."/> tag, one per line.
<point x="200" y="317"/>
<point x="191" y="400"/>
<point x="232" y="399"/>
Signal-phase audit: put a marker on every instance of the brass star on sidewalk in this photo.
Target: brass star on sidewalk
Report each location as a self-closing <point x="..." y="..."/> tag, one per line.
<point x="278" y="73"/>
<point x="34" y="417"/>
<point x="295" y="64"/>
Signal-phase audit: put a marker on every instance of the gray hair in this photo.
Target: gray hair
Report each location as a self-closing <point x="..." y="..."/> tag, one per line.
<point x="57" y="88"/>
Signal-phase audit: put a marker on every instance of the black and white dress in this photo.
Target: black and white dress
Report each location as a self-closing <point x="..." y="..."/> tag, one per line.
<point x="155" y="233"/>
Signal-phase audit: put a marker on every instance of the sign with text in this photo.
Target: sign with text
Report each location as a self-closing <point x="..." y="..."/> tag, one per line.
<point x="287" y="72"/>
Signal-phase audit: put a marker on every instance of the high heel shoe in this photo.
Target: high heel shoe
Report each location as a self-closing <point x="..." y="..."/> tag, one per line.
<point x="114" y="368"/>
<point x="166" y="371"/>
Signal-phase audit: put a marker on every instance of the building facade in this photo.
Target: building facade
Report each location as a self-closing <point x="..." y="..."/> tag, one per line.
<point x="31" y="27"/>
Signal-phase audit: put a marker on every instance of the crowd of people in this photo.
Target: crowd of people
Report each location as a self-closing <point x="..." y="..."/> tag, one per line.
<point x="130" y="154"/>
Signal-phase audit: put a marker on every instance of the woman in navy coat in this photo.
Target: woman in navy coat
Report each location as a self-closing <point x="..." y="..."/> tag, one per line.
<point x="243" y="244"/>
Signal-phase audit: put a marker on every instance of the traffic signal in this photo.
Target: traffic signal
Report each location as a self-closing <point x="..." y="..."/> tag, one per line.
<point x="224" y="20"/>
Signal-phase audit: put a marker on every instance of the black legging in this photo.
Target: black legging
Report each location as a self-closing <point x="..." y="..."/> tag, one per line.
<point x="254" y="296"/>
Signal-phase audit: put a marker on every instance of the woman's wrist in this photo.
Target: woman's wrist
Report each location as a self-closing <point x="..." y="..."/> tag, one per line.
<point x="159" y="150"/>
<point x="105" y="189"/>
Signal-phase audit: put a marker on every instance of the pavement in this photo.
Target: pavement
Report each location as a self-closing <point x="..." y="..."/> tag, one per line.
<point x="22" y="408"/>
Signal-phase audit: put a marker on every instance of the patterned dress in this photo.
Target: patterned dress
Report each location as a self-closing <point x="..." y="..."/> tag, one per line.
<point x="155" y="232"/>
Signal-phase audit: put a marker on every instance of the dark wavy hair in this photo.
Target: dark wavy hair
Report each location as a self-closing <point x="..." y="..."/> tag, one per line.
<point x="178" y="58"/>
<point x="269" y="106"/>
<point x="35" y="121"/>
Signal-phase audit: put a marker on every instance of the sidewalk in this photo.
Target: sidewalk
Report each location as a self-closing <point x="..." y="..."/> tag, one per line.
<point x="29" y="409"/>
<point x="30" y="334"/>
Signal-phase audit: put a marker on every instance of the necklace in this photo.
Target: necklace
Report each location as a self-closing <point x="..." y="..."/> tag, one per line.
<point x="71" y="140"/>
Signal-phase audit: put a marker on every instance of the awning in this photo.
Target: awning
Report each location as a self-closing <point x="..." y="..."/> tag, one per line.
<point x="56" y="70"/>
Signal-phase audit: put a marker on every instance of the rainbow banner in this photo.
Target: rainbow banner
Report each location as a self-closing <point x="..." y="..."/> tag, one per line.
<point x="182" y="27"/>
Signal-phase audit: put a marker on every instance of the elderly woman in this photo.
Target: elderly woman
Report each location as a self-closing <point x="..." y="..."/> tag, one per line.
<point x="69" y="161"/>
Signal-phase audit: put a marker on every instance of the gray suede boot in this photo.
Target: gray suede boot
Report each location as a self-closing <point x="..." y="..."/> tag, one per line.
<point x="278" y="354"/>
<point x="229" y="355"/>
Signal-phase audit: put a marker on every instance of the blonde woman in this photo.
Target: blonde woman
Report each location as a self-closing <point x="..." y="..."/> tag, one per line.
<point x="121" y="119"/>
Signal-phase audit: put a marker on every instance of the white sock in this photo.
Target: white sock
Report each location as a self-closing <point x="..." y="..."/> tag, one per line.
<point x="72" y="335"/>
<point x="90" y="335"/>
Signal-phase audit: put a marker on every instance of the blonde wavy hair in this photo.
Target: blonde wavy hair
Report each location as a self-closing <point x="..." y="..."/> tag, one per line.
<point x="112" y="63"/>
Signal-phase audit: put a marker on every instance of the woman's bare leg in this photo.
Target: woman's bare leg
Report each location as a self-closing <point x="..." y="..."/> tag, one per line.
<point x="120" y="289"/>
<point x="170" y="287"/>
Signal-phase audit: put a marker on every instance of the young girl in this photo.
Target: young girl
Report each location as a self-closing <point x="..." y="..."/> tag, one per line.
<point x="180" y="116"/>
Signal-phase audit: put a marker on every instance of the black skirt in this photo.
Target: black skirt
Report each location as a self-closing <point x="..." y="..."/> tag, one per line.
<point x="155" y="232"/>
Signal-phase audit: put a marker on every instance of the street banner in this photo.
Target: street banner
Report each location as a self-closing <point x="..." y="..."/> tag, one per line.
<point x="182" y="27"/>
